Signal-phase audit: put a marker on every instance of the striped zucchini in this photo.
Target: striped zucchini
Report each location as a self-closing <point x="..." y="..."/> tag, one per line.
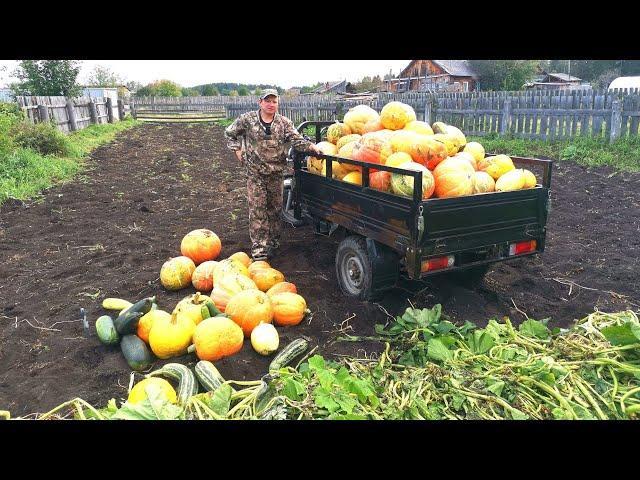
<point x="106" y="330"/>
<point x="187" y="384"/>
<point x="209" y="376"/>
<point x="288" y="353"/>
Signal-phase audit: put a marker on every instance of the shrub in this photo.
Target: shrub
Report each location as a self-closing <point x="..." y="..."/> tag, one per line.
<point x="43" y="138"/>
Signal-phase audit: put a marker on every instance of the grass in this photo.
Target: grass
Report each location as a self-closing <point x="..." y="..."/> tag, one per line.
<point x="623" y="154"/>
<point x="25" y="173"/>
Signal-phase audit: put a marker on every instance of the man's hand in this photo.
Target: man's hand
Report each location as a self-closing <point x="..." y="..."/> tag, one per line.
<point x="316" y="150"/>
<point x="239" y="155"/>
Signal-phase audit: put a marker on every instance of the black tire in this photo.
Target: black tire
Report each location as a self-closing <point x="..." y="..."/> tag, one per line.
<point x="470" y="277"/>
<point x="353" y="268"/>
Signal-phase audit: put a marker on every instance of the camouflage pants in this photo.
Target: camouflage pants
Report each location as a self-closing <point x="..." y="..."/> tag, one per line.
<point x="264" y="195"/>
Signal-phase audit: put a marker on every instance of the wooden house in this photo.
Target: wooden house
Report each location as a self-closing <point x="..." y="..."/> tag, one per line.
<point x="441" y="75"/>
<point x="331" y="87"/>
<point x="556" y="81"/>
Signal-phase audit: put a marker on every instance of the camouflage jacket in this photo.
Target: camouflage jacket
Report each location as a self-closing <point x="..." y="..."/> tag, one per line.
<point x="262" y="153"/>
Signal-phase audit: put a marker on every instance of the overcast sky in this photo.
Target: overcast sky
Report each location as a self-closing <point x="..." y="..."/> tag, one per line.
<point x="188" y="73"/>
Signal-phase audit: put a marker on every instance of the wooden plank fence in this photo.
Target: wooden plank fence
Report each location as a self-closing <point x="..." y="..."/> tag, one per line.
<point x="69" y="114"/>
<point x="537" y="114"/>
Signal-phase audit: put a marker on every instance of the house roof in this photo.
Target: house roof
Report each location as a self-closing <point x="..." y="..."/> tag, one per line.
<point x="328" y="86"/>
<point x="460" y="68"/>
<point x="565" y="77"/>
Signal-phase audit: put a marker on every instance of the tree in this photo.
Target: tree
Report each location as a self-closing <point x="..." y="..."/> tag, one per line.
<point x="103" y="77"/>
<point x="210" y="91"/>
<point x="504" y="74"/>
<point x="233" y="93"/>
<point x="47" y="78"/>
<point x="243" y="91"/>
<point x="133" y="86"/>
<point x="190" y="92"/>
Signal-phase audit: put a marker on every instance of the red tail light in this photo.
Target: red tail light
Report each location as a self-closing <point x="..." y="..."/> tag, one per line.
<point x="437" y="263"/>
<point x="522" y="247"/>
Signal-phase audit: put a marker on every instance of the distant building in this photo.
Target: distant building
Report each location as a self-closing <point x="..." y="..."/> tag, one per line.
<point x="425" y="75"/>
<point x="104" y="92"/>
<point x="6" y="95"/>
<point x="292" y="92"/>
<point x="625" y="82"/>
<point x="556" y="81"/>
<point x="331" y="87"/>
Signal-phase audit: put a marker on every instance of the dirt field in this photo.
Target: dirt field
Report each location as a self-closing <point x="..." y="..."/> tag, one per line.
<point x="108" y="232"/>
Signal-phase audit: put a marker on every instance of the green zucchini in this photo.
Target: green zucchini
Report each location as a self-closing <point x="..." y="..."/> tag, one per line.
<point x="288" y="353"/>
<point x="106" y="330"/>
<point x="208" y="375"/>
<point x="136" y="352"/>
<point x="187" y="384"/>
<point x="127" y="321"/>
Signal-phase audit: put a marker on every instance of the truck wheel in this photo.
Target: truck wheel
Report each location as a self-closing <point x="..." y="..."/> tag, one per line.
<point x="353" y="268"/>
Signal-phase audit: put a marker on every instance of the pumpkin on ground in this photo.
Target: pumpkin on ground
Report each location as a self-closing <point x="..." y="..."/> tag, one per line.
<point x="282" y="287"/>
<point x="265" y="339"/>
<point x="357" y="117"/>
<point x="200" y="245"/>
<point x="453" y="178"/>
<point x="170" y="337"/>
<point x="403" y="184"/>
<point x="139" y="391"/>
<point x="288" y="308"/>
<point x="146" y="323"/>
<point x="395" y="115"/>
<point x="242" y="257"/>
<point x="257" y="265"/>
<point x="249" y="308"/>
<point x="176" y="273"/>
<point x="483" y="182"/>
<point x="202" y="277"/>
<point x="337" y="131"/>
<point x="191" y="306"/>
<point x="229" y="267"/>
<point x="228" y="286"/>
<point x="216" y="338"/>
<point x="265" y="278"/>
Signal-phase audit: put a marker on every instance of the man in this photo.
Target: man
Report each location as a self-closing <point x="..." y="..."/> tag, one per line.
<point x="265" y="134"/>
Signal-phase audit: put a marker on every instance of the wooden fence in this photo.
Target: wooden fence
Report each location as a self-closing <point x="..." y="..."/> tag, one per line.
<point x="547" y="115"/>
<point x="70" y="114"/>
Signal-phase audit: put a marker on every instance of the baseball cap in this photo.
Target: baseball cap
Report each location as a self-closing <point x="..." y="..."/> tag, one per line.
<point x="267" y="92"/>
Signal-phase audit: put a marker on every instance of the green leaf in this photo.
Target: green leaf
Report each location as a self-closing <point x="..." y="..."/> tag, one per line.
<point x="622" y="334"/>
<point x="534" y="328"/>
<point x="480" y="342"/>
<point x="445" y="327"/>
<point x="458" y="401"/>
<point x="447" y="340"/>
<point x="155" y="407"/>
<point x="496" y="388"/>
<point x="316" y="363"/>
<point x="437" y="350"/>
<point x="326" y="379"/>
<point x="324" y="399"/>
<point x="220" y="399"/>
<point x="346" y="402"/>
<point x="466" y="328"/>
<point x="293" y="389"/>
<point x="347" y="417"/>
<point x="518" y="415"/>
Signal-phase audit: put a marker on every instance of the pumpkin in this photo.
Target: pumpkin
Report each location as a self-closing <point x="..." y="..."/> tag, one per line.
<point x="368" y="148"/>
<point x="191" y="306"/>
<point x="176" y="273"/>
<point x="475" y="149"/>
<point x="453" y="178"/>
<point x="171" y="336"/>
<point x="358" y="116"/>
<point x="337" y="131"/>
<point x="315" y="164"/>
<point x="288" y="308"/>
<point x="468" y="157"/>
<point x="353" y="177"/>
<point x="216" y="338"/>
<point x="450" y="143"/>
<point x="482" y="182"/>
<point x="530" y="180"/>
<point x="512" y="180"/>
<point x="248" y="309"/>
<point x="373" y="126"/>
<point x="380" y="181"/>
<point x="282" y="287"/>
<point x="458" y="137"/>
<point x="258" y="265"/>
<point x="265" y="339"/>
<point x="242" y="257"/>
<point x="347" y="152"/>
<point x="228" y="286"/>
<point x="146" y="322"/>
<point x="397" y="159"/>
<point x="496" y="166"/>
<point x="427" y="151"/>
<point x="403" y="184"/>
<point x="265" y="278"/>
<point x="229" y="266"/>
<point x="200" y="245"/>
<point x="395" y="115"/>
<point x="202" y="277"/>
<point x="354" y="137"/>
<point x="338" y="170"/>
<point x="439" y="127"/>
<point x="417" y="126"/>
<point x="139" y="391"/>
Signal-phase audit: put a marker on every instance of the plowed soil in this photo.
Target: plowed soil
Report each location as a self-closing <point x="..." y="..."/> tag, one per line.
<point x="107" y="233"/>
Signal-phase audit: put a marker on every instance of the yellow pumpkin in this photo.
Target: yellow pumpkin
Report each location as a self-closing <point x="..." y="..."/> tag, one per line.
<point x="146" y="323"/>
<point x="496" y="166"/>
<point x="265" y="278"/>
<point x="530" y="180"/>
<point x="216" y="338"/>
<point x="248" y="309"/>
<point x="191" y="306"/>
<point x="354" y="137"/>
<point x="483" y="182"/>
<point x="420" y="127"/>
<point x="170" y="337"/>
<point x="475" y="149"/>
<point x="229" y="266"/>
<point x="395" y="115"/>
<point x="176" y="273"/>
<point x="242" y="257"/>
<point x="512" y="180"/>
<point x="257" y="265"/>
<point x="227" y="287"/>
<point x="139" y="391"/>
<point x="265" y="339"/>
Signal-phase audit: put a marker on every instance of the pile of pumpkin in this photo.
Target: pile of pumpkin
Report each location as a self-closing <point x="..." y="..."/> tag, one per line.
<point x="450" y="166"/>
<point x="245" y="299"/>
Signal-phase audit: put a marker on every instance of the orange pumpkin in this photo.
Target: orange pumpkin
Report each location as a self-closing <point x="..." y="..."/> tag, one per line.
<point x="176" y="273"/>
<point x="453" y="178"/>
<point x="288" y="308"/>
<point x="248" y="309"/>
<point x="216" y="338"/>
<point x="202" y="277"/>
<point x="265" y="278"/>
<point x="242" y="258"/>
<point x="227" y="287"/>
<point x="200" y="245"/>
<point x="468" y="157"/>
<point x="282" y="287"/>
<point x="146" y="322"/>
<point x="257" y="265"/>
<point x="368" y="149"/>
<point x="380" y="181"/>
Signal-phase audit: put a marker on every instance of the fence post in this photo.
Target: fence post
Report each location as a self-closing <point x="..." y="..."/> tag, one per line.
<point x="120" y="109"/>
<point x="43" y="113"/>
<point x="506" y="117"/>
<point x="93" y="112"/>
<point x="427" y="111"/>
<point x="71" y="113"/>
<point x="109" y="110"/>
<point x="616" y="120"/>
